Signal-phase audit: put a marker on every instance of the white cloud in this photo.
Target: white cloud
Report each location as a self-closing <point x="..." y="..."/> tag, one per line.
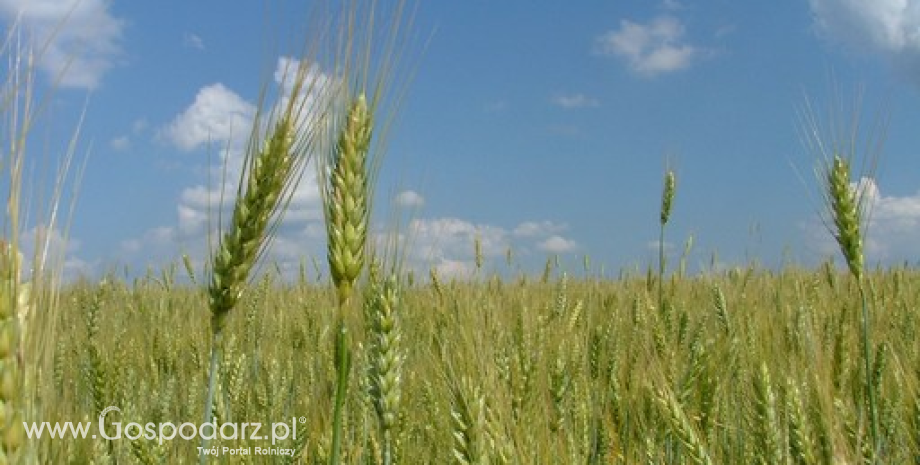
<point x="193" y="41"/>
<point x="218" y="115"/>
<point x="572" y="101"/>
<point x="120" y="144"/>
<point x="538" y="228"/>
<point x="59" y="254"/>
<point x="80" y="39"/>
<point x="192" y="212"/>
<point x="410" y="199"/>
<point x="650" y="49"/>
<point x="888" y="25"/>
<point x="286" y="75"/>
<point x="200" y="196"/>
<point x="894" y="225"/>
<point x="306" y="202"/>
<point x="453" y="237"/>
<point x="157" y="247"/>
<point x="156" y="236"/>
<point x="447" y="244"/>
<point x="890" y="28"/>
<point x="557" y="245"/>
<point x="893" y="233"/>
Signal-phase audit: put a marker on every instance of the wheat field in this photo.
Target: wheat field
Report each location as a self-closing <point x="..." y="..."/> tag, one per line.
<point x="378" y="366"/>
<point x="750" y="366"/>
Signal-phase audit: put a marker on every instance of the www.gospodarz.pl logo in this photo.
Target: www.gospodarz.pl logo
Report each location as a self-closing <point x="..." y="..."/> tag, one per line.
<point x="167" y="431"/>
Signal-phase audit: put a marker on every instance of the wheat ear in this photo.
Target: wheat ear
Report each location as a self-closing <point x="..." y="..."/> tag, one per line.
<point x="667" y="196"/>
<point x="667" y="202"/>
<point x="14" y="302"/>
<point x="683" y="428"/>
<point x="272" y="172"/>
<point x="346" y="198"/>
<point x="769" y="443"/>
<point x="846" y="208"/>
<point x="386" y="356"/>
<point x="269" y="175"/>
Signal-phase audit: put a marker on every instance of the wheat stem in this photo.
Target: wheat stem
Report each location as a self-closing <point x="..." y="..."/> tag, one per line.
<point x="346" y="199"/>
<point x="667" y="201"/>
<point x="272" y="173"/>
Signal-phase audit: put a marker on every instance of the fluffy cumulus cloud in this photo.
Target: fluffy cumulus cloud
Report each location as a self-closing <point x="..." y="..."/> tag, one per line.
<point x="894" y="226"/>
<point x="557" y="245"/>
<point x="448" y="244"/>
<point x="194" y="208"/>
<point x="890" y="28"/>
<point x="650" y="49"/>
<point x="80" y="39"/>
<point x="454" y="238"/>
<point x="410" y="199"/>
<point x="217" y="116"/>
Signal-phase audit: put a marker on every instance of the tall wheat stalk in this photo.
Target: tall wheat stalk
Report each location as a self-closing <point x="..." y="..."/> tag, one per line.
<point x="14" y="295"/>
<point x="682" y="427"/>
<point x="346" y="199"/>
<point x="386" y="356"/>
<point x="848" y="206"/>
<point x="667" y="203"/>
<point x="273" y="166"/>
<point x="28" y="315"/>
<point x="348" y="169"/>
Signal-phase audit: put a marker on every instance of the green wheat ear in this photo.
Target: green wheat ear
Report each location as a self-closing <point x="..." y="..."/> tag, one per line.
<point x="273" y="169"/>
<point x="846" y="210"/>
<point x="274" y="163"/>
<point x="667" y="196"/>
<point x="386" y="355"/>
<point x="346" y="199"/>
<point x="270" y="174"/>
<point x="14" y="305"/>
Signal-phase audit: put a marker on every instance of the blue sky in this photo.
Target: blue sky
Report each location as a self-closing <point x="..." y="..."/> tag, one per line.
<point x="544" y="127"/>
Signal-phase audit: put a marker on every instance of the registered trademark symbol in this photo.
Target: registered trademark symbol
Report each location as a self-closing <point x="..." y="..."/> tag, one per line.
<point x="303" y="420"/>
